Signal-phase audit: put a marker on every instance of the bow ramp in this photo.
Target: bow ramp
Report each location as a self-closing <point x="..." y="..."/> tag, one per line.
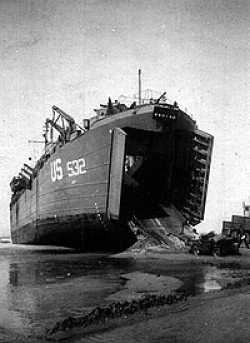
<point x="158" y="180"/>
<point x="164" y="229"/>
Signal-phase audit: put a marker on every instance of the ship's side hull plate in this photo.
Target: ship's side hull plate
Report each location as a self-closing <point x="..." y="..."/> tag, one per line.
<point x="79" y="196"/>
<point x="84" y="232"/>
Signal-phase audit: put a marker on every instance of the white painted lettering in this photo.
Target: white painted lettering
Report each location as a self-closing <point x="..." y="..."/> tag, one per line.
<point x="56" y="171"/>
<point x="82" y="166"/>
<point x="76" y="167"/>
<point x="73" y="168"/>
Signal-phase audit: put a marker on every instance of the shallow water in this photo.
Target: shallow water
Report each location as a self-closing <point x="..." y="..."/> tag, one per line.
<point x="40" y="286"/>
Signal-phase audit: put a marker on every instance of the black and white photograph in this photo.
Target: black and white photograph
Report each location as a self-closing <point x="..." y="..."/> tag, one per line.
<point x="125" y="171"/>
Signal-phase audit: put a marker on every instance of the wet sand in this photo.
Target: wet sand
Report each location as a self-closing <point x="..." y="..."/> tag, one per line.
<point x="209" y="318"/>
<point x="41" y="287"/>
<point x="139" y="284"/>
<point x="219" y="314"/>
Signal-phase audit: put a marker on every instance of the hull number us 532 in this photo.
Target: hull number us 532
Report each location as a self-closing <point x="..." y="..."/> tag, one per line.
<point x="72" y="168"/>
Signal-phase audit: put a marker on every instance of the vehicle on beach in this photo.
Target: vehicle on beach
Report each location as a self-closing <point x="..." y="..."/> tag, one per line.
<point x="239" y="226"/>
<point x="216" y="246"/>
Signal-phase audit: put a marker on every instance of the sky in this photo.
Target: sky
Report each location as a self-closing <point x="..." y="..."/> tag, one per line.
<point x="77" y="53"/>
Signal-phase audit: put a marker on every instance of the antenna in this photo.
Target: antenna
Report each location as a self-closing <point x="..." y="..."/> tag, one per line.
<point x="34" y="141"/>
<point x="139" y="79"/>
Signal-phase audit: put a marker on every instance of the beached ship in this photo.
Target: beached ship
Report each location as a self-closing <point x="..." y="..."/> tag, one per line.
<point x="147" y="164"/>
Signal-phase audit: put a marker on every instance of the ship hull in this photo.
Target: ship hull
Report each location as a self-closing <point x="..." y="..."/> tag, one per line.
<point x="68" y="208"/>
<point x="82" y="232"/>
<point x="81" y="196"/>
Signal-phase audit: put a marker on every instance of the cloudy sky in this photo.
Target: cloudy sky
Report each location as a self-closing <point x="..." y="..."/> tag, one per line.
<point x="76" y="53"/>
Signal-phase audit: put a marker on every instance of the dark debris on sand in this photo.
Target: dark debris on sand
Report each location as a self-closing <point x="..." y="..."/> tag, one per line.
<point x="115" y="310"/>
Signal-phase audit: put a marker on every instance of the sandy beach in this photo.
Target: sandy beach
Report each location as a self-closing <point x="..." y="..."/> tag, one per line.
<point x="216" y="315"/>
<point x="61" y="295"/>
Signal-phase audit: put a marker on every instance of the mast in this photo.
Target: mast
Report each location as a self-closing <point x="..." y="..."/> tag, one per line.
<point x="139" y="79"/>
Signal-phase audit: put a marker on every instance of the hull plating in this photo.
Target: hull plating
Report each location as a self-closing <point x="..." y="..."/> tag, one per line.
<point x="69" y="201"/>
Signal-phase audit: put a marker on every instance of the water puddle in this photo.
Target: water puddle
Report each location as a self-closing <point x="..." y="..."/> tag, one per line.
<point x="211" y="282"/>
<point x="40" y="287"/>
<point x="215" y="278"/>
